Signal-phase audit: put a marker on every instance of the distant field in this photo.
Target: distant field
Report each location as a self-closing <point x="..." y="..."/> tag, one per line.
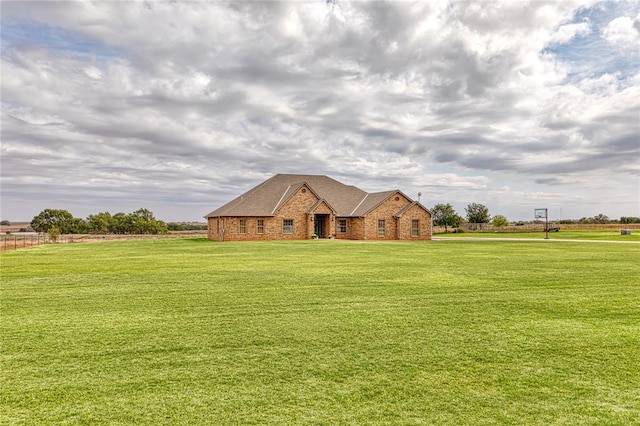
<point x="602" y="235"/>
<point x="189" y="331"/>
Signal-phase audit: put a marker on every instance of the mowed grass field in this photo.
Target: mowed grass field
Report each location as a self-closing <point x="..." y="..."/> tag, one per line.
<point x="569" y="234"/>
<point x="321" y="332"/>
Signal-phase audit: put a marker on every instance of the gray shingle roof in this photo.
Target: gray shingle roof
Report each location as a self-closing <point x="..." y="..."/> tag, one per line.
<point x="371" y="201"/>
<point x="266" y="198"/>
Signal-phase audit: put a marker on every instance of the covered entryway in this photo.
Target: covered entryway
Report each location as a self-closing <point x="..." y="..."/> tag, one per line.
<point x="321" y="225"/>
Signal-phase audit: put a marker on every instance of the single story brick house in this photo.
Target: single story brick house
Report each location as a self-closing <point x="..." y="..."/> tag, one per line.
<point x="296" y="207"/>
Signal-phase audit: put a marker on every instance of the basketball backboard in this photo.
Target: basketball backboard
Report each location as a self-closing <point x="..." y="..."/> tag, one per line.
<point x="540" y="213"/>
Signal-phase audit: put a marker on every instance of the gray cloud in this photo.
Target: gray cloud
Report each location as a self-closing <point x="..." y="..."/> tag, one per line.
<point x="181" y="106"/>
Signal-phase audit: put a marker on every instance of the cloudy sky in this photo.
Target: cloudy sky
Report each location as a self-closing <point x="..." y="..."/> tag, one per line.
<point x="179" y="106"/>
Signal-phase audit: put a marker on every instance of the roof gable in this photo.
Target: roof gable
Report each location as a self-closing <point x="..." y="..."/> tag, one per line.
<point x="318" y="203"/>
<point x="290" y="191"/>
<point x="409" y="207"/>
<point x="371" y="201"/>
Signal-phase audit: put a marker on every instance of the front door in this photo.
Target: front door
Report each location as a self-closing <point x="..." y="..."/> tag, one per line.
<point x="318" y="225"/>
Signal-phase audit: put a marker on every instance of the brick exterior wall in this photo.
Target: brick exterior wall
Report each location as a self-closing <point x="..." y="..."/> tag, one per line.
<point x="354" y="228"/>
<point x="384" y="211"/>
<point x="297" y="208"/>
<point x="323" y="208"/>
<point x="231" y="227"/>
<point x="397" y="228"/>
<point x="404" y="224"/>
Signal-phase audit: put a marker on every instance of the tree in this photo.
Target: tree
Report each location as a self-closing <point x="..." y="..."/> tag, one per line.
<point x="144" y="222"/>
<point x="99" y="223"/>
<point x="499" y="221"/>
<point x="629" y="219"/>
<point x="80" y="226"/>
<point x="49" y="218"/>
<point x="5" y="223"/>
<point x="601" y="218"/>
<point x="120" y="224"/>
<point x="141" y="221"/>
<point x="477" y="213"/>
<point x="445" y="215"/>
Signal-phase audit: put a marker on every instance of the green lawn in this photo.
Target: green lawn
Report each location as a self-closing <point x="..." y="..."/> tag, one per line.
<point x="569" y="234"/>
<point x="321" y="332"/>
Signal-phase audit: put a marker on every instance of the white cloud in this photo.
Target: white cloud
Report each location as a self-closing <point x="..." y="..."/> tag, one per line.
<point x="168" y="95"/>
<point x="623" y="32"/>
<point x="567" y="32"/>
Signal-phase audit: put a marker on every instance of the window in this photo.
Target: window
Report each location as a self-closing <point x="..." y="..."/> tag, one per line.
<point x="242" y="226"/>
<point x="342" y="226"/>
<point x="381" y="226"/>
<point x="287" y="226"/>
<point x="415" y="228"/>
<point x="260" y="227"/>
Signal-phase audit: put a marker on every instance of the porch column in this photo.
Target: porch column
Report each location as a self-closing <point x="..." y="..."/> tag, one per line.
<point x="332" y="226"/>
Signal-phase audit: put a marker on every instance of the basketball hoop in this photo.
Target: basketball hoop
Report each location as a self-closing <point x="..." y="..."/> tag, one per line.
<point x="542" y="214"/>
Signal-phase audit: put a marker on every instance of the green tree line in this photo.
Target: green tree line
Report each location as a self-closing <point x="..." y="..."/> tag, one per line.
<point x="140" y="221"/>
<point x="600" y="219"/>
<point x="445" y="215"/>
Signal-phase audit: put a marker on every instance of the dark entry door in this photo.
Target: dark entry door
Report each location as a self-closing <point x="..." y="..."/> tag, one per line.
<point x="318" y="225"/>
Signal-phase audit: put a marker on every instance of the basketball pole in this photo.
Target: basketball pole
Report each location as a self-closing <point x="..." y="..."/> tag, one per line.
<point x="546" y="226"/>
<point x="538" y="214"/>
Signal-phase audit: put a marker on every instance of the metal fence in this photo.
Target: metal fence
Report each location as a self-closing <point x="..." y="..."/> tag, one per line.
<point x="20" y="240"/>
<point x="23" y="240"/>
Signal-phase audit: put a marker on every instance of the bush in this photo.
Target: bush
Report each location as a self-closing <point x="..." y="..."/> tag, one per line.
<point x="186" y="226"/>
<point x="499" y="221"/>
<point x="629" y="219"/>
<point x="54" y="233"/>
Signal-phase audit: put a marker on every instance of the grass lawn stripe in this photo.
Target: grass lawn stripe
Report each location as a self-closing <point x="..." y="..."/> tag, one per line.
<point x="321" y="332"/>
